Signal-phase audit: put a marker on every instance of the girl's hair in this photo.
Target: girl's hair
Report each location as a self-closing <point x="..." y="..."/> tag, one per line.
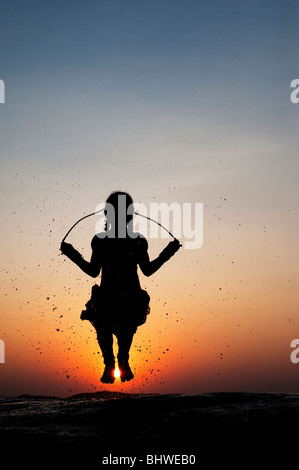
<point x="113" y="199"/>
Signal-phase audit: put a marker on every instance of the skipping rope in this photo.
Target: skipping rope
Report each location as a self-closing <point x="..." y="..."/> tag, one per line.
<point x="96" y="212"/>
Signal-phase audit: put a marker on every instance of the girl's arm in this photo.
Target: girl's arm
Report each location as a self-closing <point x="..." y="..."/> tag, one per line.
<point x="150" y="267"/>
<point x="91" y="268"/>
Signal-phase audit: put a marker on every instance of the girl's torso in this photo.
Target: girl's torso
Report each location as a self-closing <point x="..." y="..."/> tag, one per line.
<point x="119" y="259"/>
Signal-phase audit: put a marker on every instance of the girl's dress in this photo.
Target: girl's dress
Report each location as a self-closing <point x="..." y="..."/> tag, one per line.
<point x="118" y="302"/>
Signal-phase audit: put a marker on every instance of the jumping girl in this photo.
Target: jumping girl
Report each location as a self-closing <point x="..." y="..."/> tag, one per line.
<point x="118" y="306"/>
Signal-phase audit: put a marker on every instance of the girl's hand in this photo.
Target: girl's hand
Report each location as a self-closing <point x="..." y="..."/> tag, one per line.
<point x="68" y="250"/>
<point x="170" y="250"/>
<point x="173" y="247"/>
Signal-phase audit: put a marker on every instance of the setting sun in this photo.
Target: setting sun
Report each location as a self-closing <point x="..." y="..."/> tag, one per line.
<point x="116" y="373"/>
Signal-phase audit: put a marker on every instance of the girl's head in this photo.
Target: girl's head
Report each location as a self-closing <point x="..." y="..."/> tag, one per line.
<point x="118" y="211"/>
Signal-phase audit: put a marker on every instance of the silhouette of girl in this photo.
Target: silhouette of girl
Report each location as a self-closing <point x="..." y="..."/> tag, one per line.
<point x="118" y="306"/>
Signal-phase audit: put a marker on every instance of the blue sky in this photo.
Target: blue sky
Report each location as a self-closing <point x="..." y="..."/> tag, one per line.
<point x="193" y="93"/>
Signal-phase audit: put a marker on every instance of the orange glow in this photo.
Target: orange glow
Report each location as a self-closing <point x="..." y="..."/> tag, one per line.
<point x="212" y="318"/>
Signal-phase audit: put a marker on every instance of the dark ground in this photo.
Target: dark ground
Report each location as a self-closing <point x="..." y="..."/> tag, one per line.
<point x="238" y="430"/>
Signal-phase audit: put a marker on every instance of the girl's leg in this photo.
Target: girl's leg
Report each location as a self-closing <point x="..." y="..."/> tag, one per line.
<point x="124" y="339"/>
<point x="105" y="340"/>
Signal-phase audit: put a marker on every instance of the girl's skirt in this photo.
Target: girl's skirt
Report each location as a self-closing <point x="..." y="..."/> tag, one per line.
<point x="116" y="309"/>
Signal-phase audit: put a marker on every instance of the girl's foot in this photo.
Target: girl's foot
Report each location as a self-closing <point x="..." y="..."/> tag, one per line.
<point x="108" y="375"/>
<point x="125" y="371"/>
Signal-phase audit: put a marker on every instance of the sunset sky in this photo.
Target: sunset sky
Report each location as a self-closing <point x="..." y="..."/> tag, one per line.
<point x="173" y="101"/>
